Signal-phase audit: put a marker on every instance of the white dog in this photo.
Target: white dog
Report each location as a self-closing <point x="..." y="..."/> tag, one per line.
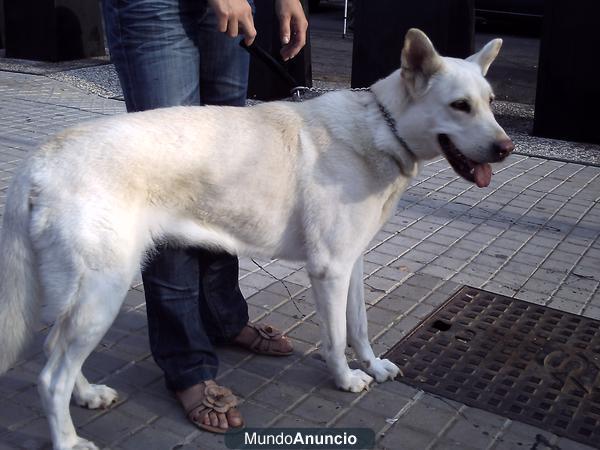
<point x="310" y="182"/>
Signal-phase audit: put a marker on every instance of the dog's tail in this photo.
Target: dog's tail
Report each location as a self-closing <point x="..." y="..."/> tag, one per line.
<point x="18" y="277"/>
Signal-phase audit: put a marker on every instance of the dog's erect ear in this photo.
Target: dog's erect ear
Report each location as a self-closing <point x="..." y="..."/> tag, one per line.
<point x="419" y="59"/>
<point x="486" y="56"/>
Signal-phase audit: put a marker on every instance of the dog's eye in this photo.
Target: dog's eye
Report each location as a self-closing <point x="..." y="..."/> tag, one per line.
<point x="461" y="105"/>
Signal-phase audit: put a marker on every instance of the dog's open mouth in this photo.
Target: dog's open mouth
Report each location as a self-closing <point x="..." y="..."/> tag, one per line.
<point x="478" y="173"/>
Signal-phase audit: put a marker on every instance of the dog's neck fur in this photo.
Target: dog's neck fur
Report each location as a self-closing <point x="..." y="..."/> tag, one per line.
<point x="394" y="142"/>
<point x="392" y="124"/>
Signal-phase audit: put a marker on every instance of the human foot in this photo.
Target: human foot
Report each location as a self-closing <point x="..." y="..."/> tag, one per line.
<point x="264" y="340"/>
<point x="211" y="407"/>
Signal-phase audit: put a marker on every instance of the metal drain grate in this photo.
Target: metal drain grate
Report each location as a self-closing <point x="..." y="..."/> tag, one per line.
<point x="524" y="361"/>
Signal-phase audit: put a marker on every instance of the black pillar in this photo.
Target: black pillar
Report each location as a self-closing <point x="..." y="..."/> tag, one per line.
<point x="53" y="30"/>
<point x="380" y="26"/>
<point x="568" y="91"/>
<point x="2" y="24"/>
<point x="263" y="83"/>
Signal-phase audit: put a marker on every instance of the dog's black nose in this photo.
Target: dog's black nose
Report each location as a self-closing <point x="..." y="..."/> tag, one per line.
<point x="503" y="148"/>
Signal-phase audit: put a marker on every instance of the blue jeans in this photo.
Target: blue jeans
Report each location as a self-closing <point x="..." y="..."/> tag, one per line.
<point x="169" y="53"/>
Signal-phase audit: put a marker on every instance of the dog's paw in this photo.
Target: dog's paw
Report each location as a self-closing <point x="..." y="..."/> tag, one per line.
<point x="97" y="396"/>
<point x="80" y="444"/>
<point x="383" y="369"/>
<point x="84" y="444"/>
<point x="355" y="381"/>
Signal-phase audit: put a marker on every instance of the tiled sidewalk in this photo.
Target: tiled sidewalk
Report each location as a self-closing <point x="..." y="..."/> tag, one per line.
<point x="534" y="234"/>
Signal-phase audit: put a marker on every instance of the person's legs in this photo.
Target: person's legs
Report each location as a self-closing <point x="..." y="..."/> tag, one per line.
<point x="192" y="296"/>
<point x="154" y="48"/>
<point x="223" y="81"/>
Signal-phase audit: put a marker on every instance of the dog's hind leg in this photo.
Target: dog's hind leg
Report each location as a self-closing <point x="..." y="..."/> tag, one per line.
<point x="358" y="336"/>
<point x="85" y="394"/>
<point x="73" y="337"/>
<point x="331" y="294"/>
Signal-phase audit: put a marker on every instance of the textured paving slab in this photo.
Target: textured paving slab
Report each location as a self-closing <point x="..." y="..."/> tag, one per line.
<point x="532" y="235"/>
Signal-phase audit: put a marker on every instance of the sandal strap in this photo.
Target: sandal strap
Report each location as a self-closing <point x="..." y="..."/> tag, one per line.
<point x="267" y="331"/>
<point x="265" y="337"/>
<point x="215" y="398"/>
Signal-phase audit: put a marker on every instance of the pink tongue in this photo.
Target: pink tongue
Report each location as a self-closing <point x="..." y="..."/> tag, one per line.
<point x="483" y="174"/>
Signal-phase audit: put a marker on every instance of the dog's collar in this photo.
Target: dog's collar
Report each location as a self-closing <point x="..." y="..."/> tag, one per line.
<point x="392" y="124"/>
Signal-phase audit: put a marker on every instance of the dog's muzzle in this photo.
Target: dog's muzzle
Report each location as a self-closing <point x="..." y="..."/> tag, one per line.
<point x="478" y="173"/>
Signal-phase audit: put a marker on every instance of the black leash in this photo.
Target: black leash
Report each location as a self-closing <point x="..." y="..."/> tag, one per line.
<point x="297" y="91"/>
<point x="257" y="51"/>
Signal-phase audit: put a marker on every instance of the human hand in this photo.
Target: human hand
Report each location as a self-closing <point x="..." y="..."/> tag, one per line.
<point x="234" y="17"/>
<point x="292" y="26"/>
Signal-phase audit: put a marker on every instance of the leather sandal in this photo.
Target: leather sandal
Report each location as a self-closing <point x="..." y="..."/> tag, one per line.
<point x="265" y="341"/>
<point x="214" y="398"/>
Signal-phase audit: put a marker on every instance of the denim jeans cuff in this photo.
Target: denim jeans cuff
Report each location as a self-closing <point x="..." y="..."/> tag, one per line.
<point x="190" y="378"/>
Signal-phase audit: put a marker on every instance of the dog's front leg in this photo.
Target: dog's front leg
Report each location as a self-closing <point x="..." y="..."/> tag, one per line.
<point x="358" y="336"/>
<point x="331" y="293"/>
